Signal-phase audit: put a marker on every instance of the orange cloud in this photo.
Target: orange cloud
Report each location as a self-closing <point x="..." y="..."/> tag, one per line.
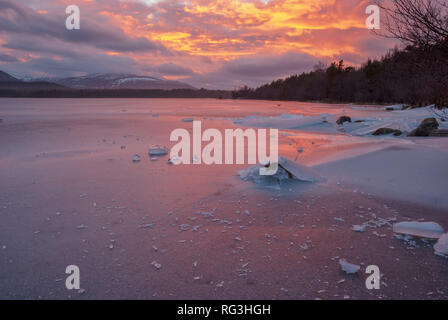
<point x="227" y="29"/>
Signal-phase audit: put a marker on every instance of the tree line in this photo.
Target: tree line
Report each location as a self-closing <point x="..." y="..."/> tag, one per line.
<point x="111" y="93"/>
<point x="401" y="76"/>
<point x="417" y="74"/>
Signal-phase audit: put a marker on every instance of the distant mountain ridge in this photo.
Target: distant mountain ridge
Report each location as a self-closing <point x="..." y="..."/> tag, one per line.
<point x="4" y="77"/>
<point x="95" y="81"/>
<point x="117" y="81"/>
<point x="8" y="82"/>
<point x="102" y="86"/>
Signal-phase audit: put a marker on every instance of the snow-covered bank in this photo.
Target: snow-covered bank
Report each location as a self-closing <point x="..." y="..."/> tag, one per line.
<point x="406" y="168"/>
<point x="409" y="172"/>
<point x="318" y="123"/>
<point x="364" y="121"/>
<point x="400" y="169"/>
<point x="402" y="120"/>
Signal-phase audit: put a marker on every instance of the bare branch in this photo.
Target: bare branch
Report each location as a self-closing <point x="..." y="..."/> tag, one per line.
<point x="420" y="23"/>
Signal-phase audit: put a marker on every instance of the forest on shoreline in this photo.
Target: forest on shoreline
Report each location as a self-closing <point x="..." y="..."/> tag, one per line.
<point x="415" y="76"/>
<point x="112" y="93"/>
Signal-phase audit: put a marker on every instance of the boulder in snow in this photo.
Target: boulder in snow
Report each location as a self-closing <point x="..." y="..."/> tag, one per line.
<point x="425" y="128"/>
<point x="430" y="230"/>
<point x="383" y="131"/>
<point x="439" y="133"/>
<point x="343" y="119"/>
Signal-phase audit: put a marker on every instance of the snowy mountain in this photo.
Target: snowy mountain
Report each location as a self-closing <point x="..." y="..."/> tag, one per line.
<point x="118" y="81"/>
<point x="8" y="82"/>
<point x="4" y="77"/>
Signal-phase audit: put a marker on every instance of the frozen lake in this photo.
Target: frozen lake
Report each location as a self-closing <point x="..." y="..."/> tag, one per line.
<point x="71" y="195"/>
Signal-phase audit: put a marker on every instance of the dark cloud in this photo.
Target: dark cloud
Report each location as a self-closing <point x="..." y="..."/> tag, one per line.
<point x="66" y="67"/>
<point x="254" y="70"/>
<point x="28" y="44"/>
<point x="270" y="66"/>
<point x="7" y="58"/>
<point x="99" y="32"/>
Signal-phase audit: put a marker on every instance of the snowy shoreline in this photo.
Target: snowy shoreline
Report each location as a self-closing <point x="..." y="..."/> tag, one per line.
<point x="408" y="168"/>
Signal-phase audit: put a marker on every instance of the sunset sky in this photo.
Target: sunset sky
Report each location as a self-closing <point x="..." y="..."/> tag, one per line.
<point x="206" y="43"/>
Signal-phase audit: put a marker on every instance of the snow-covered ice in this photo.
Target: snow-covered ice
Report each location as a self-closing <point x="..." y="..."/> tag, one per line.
<point x="362" y="124"/>
<point x="287" y="170"/>
<point x="441" y="247"/>
<point x="202" y="223"/>
<point x="348" y="267"/>
<point x="157" y="151"/>
<point x="430" y="230"/>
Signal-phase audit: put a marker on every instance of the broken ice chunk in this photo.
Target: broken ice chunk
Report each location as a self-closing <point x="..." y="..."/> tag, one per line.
<point x="173" y="160"/>
<point x="348" y="267"/>
<point x="358" y="228"/>
<point x="430" y="230"/>
<point x="184" y="227"/>
<point x="157" y="151"/>
<point x="136" y="158"/>
<point x="298" y="171"/>
<point x="147" y="225"/>
<point x="441" y="247"/>
<point x="287" y="170"/>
